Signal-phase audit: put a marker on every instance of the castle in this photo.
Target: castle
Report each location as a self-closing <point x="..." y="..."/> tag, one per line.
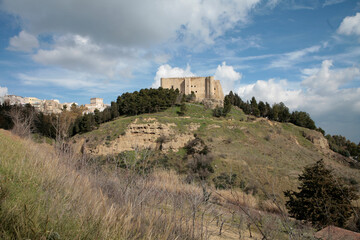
<point x="95" y="103"/>
<point x="205" y="88"/>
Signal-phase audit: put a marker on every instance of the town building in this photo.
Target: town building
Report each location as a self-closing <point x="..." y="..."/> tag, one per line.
<point x="13" y="100"/>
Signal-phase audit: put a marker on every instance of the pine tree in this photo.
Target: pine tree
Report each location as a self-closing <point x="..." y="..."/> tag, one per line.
<point x="227" y="106"/>
<point x="322" y="198"/>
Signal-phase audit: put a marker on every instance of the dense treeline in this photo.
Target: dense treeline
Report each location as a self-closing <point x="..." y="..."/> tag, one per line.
<point x="139" y="102"/>
<point x="344" y="146"/>
<point x="279" y="112"/>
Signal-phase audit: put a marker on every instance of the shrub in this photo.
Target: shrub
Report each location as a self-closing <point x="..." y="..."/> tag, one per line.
<point x="224" y="181"/>
<point x="218" y="111"/>
<point x="199" y="166"/>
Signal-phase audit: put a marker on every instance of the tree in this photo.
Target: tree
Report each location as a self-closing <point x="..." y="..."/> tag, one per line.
<point x="227" y="106"/>
<point x="262" y="109"/>
<point x="182" y="109"/>
<point x="254" y="107"/>
<point x="322" y="198"/>
<point x="302" y="119"/>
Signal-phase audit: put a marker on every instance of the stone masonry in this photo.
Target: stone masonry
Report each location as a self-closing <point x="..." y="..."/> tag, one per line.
<point x="203" y="87"/>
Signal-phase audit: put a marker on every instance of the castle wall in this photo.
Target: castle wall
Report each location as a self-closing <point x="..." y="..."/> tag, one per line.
<point x="203" y="87"/>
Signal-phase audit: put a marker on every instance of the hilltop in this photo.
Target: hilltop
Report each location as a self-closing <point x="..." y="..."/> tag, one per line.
<point x="259" y="151"/>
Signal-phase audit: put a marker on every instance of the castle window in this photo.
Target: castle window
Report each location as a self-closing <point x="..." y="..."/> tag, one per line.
<point x="214" y="88"/>
<point x="172" y="86"/>
<point x="196" y="91"/>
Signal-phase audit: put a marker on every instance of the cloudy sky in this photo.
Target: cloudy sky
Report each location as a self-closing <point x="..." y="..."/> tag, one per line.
<point x="304" y="53"/>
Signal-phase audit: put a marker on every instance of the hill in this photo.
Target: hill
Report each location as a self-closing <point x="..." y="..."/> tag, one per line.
<point x="260" y="152"/>
<point x="141" y="177"/>
<point x="46" y="194"/>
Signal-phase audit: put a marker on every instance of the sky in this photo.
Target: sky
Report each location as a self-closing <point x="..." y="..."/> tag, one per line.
<point x="304" y="53"/>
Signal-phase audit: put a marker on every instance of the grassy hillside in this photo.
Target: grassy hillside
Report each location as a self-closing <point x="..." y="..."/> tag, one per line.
<point x="262" y="153"/>
<point x="45" y="194"/>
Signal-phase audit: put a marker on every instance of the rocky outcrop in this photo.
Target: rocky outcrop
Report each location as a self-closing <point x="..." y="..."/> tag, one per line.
<point x="321" y="143"/>
<point x="152" y="135"/>
<point x="317" y="139"/>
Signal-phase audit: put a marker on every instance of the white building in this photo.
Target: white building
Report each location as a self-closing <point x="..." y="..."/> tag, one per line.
<point x="95" y="103"/>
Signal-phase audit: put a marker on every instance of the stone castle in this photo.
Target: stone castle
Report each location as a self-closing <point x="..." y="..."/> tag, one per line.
<point x="95" y="103"/>
<point x="205" y="88"/>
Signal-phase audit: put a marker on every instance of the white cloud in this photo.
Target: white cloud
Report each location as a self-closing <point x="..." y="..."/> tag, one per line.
<point x="166" y="71"/>
<point x="332" y="2"/>
<point x="324" y="80"/>
<point x="125" y="23"/>
<point x="287" y="60"/>
<point x="83" y="55"/>
<point x="272" y="91"/>
<point x="333" y="108"/>
<point x="3" y="92"/>
<point x="227" y="76"/>
<point x="24" y="42"/>
<point x="78" y="53"/>
<point x="82" y="83"/>
<point x="350" y="25"/>
<point x="115" y="37"/>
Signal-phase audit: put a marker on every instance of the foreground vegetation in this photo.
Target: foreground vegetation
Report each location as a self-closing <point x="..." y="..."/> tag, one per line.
<point x="55" y="195"/>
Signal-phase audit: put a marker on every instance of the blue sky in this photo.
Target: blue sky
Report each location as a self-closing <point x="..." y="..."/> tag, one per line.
<point x="304" y="53"/>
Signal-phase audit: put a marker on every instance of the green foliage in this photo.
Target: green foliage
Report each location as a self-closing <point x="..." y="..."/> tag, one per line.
<point x="138" y="102"/>
<point x="254" y="107"/>
<point x="278" y="112"/>
<point x="227" y="106"/>
<point x="189" y="97"/>
<point x="196" y="145"/>
<point x="224" y="181"/>
<point x="182" y="109"/>
<point x="322" y="198"/>
<point x="302" y="119"/>
<point x="218" y="111"/>
<point x="223" y="111"/>
<point x="343" y="146"/>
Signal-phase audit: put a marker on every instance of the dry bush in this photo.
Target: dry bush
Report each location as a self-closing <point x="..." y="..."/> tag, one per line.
<point x="23" y="121"/>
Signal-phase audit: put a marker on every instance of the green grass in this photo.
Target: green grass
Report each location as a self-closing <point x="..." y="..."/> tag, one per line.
<point x="37" y="199"/>
<point x="269" y="154"/>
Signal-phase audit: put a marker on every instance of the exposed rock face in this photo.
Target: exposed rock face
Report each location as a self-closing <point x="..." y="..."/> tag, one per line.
<point x="321" y="143"/>
<point x="317" y="139"/>
<point x="153" y="135"/>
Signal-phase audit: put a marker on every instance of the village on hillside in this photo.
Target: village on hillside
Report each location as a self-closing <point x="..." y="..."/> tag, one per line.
<point x="53" y="106"/>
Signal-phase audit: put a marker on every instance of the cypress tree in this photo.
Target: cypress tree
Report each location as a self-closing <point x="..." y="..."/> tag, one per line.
<point x="322" y="198"/>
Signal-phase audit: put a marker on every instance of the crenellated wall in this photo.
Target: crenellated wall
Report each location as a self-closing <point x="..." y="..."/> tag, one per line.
<point x="203" y="87"/>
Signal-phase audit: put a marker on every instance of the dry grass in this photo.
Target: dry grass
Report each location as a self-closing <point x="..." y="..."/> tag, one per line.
<point x="46" y="196"/>
<point x="49" y="195"/>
